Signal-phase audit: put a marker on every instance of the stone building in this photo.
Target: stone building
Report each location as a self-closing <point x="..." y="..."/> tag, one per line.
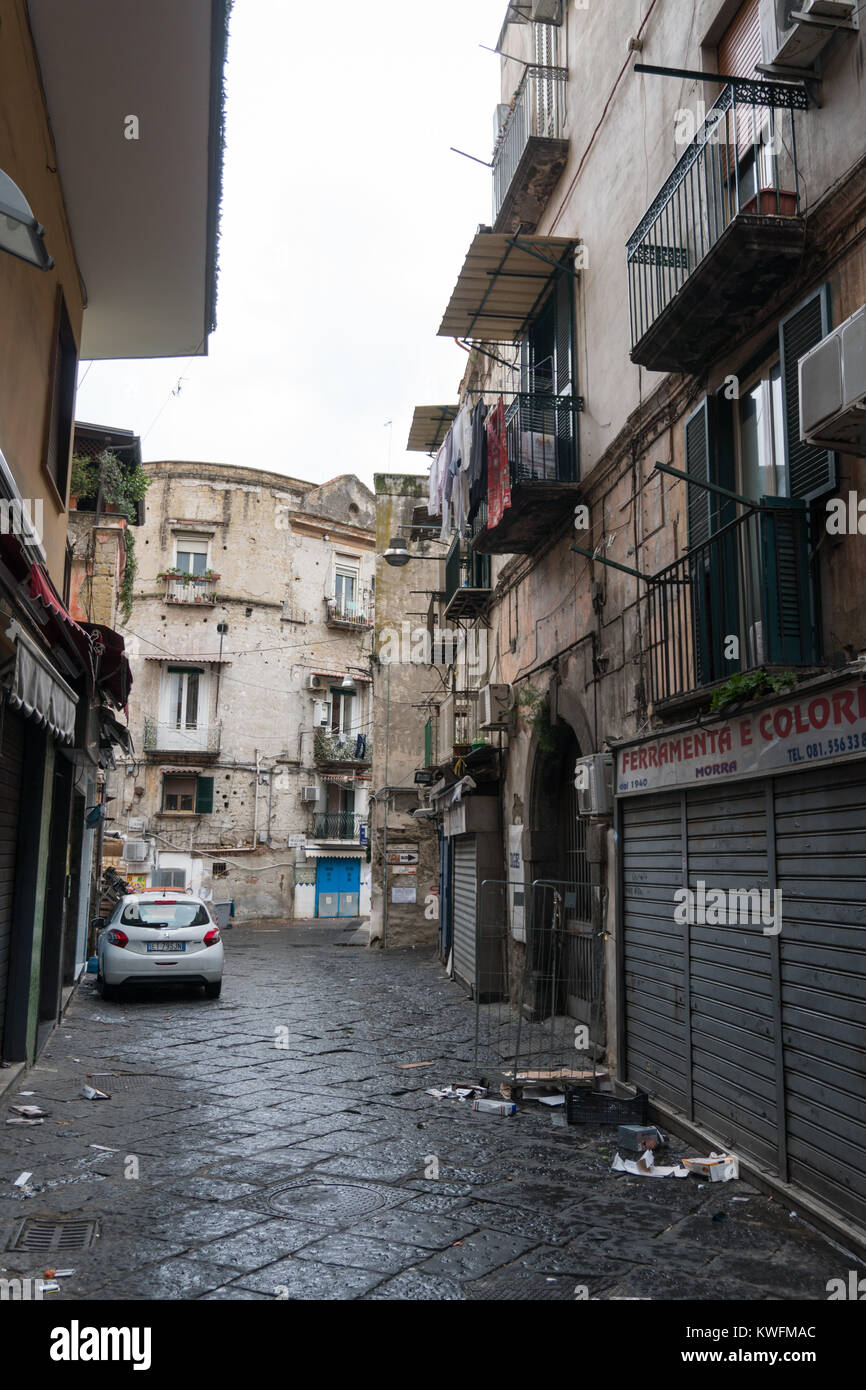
<point x="250" y="643"/>
<point x="667" y="329"/>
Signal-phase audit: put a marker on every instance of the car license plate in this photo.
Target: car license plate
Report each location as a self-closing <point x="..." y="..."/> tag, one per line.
<point x="166" y="945"/>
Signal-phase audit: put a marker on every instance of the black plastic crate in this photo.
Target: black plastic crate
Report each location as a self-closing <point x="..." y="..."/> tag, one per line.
<point x="584" y="1107"/>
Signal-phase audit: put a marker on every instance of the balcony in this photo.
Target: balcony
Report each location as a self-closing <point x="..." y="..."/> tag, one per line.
<point x="531" y="151"/>
<point x="752" y="579"/>
<point x="542" y="439"/>
<point x="184" y="588"/>
<point x="467" y="582"/>
<point x="724" y="234"/>
<point x="342" y="748"/>
<point x="337" y="825"/>
<point x="355" y="614"/>
<point x="198" y="742"/>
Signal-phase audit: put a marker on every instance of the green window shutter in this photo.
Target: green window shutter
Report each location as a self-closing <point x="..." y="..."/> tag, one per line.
<point x="204" y="796"/>
<point x="428" y="743"/>
<point x="698" y="500"/>
<point x="788" y="636"/>
<point x="812" y="471"/>
<point x="564" y="303"/>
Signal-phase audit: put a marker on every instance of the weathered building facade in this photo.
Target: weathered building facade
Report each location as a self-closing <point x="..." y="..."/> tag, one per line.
<point x="666" y="560"/>
<point x="250" y="642"/>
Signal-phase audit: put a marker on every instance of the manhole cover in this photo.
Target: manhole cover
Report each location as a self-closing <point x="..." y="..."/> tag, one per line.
<point x="331" y="1203"/>
<point x="50" y="1237"/>
<point x="524" y="1285"/>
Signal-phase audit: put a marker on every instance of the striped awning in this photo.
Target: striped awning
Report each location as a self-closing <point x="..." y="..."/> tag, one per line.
<point x="430" y="426"/>
<point x="503" y="284"/>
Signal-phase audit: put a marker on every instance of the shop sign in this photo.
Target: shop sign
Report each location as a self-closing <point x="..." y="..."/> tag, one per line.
<point x="819" y="728"/>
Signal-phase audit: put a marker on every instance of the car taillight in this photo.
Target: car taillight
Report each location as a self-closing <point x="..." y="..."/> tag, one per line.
<point x="117" y="938"/>
<point x="212" y="937"/>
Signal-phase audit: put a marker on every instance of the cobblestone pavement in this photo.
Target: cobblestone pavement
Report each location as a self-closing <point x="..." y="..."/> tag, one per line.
<point x="227" y="1167"/>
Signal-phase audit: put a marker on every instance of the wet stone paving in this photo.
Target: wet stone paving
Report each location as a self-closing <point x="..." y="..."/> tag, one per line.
<point x="276" y="1143"/>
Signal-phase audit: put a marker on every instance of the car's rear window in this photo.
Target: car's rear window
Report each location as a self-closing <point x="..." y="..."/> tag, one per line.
<point x="169" y="913"/>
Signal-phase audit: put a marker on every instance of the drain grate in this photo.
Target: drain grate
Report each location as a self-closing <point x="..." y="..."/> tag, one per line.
<point x="53" y="1237"/>
<point x="330" y="1203"/>
<point x="507" y="1285"/>
<point x="122" y="1080"/>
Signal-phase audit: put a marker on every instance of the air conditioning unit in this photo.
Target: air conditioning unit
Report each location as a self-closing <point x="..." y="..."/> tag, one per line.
<point x="136" y="851"/>
<point x="495" y="703"/>
<point x="310" y="793"/>
<point x="593" y="779"/>
<point x="316" y="682"/>
<point x="796" y="32"/>
<point x="546" y="11"/>
<point x="833" y="389"/>
<point x="322" y="713"/>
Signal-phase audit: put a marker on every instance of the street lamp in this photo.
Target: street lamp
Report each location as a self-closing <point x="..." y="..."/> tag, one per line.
<point x="397" y="553"/>
<point x="20" y="234"/>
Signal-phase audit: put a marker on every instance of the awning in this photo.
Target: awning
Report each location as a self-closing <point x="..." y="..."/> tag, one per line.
<point x="430" y="425"/>
<point x="184" y="660"/>
<point x="503" y="283"/>
<point x="39" y="691"/>
<point x="318" y="852"/>
<point x="42" y="590"/>
<point x="113" y="674"/>
<point x="340" y="675"/>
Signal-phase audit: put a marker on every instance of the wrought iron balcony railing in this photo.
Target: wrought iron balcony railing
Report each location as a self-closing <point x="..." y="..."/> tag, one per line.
<point x="752" y="580"/>
<point x="179" y="589"/>
<point x="720" y="235"/>
<point x="531" y="151"/>
<point x="467" y="581"/>
<point x="337" y="825"/>
<point x="342" y="748"/>
<point x="189" y="739"/>
<point x="542" y="437"/>
<point x="354" y="613"/>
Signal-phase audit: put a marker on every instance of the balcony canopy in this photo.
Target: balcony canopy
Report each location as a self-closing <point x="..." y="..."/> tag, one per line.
<point x="503" y="284"/>
<point x="429" y="427"/>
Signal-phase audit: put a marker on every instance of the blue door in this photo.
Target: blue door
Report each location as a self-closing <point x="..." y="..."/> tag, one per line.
<point x="338" y="887"/>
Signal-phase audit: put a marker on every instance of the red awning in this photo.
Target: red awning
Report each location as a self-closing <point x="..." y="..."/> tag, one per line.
<point x="42" y="589"/>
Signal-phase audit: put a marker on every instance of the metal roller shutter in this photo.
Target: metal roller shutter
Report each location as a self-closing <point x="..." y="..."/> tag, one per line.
<point x="733" y="1032"/>
<point x="11" y="770"/>
<point x="465" y="892"/>
<point x="655" y="977"/>
<point x="821" y="855"/>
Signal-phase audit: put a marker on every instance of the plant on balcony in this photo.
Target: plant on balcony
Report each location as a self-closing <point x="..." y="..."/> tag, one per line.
<point x="751" y="686"/>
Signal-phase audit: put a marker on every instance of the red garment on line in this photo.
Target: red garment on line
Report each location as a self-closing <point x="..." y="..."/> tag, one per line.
<point x="498" y="472"/>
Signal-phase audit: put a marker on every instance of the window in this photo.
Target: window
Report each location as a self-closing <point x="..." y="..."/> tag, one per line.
<point x="346" y="589"/>
<point x="220" y="869"/>
<point x="191" y="555"/>
<point x="760" y="437"/>
<point x="61" y="411"/>
<point x="187" y="794"/>
<point x="184" y="704"/>
<point x="153" y="913"/>
<point x="342" y="711"/>
<point x="168" y="878"/>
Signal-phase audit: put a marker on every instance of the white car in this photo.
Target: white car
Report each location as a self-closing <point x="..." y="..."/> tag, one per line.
<point x="158" y="937"/>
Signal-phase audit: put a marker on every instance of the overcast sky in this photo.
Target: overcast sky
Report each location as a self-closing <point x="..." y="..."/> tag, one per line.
<point x="345" y="222"/>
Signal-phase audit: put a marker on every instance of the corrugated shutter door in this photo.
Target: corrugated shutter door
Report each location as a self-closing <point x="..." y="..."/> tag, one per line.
<point x="655" y="982"/>
<point x="732" y="1028"/>
<point x="11" y="771"/>
<point x="465" y="891"/>
<point x="821" y="855"/>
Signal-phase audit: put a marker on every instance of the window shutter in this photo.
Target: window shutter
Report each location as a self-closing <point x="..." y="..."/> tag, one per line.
<point x="698" y="501"/>
<point x="564" y="334"/>
<point x="812" y="471"/>
<point x="788" y="639"/>
<point x="204" y="796"/>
